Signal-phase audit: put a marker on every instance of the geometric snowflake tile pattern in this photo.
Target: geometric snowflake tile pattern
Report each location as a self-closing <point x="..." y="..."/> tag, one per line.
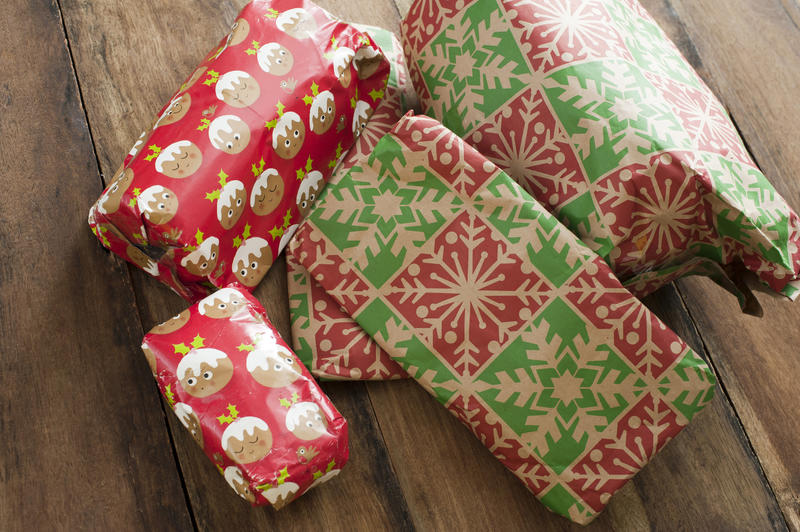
<point x="578" y="101"/>
<point x="328" y="341"/>
<point x="502" y="314"/>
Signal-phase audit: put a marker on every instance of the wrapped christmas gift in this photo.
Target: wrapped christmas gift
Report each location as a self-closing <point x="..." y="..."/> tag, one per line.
<point x="502" y="314"/>
<point x="593" y="110"/>
<point x="326" y="338"/>
<point x="212" y="193"/>
<point x="246" y="399"/>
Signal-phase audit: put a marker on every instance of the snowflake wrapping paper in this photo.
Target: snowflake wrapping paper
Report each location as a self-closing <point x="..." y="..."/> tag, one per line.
<point x="503" y="315"/>
<point x="212" y="193"/>
<point x="246" y="399"/>
<point x="326" y="338"/>
<point x="593" y="110"/>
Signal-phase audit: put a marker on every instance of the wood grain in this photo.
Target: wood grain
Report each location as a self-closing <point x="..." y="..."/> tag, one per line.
<point x="82" y="430"/>
<point x="759" y="83"/>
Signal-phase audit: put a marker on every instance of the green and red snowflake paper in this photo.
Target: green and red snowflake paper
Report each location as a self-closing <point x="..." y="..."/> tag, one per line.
<point x="246" y="399"/>
<point x="501" y="313"/>
<point x="594" y="111"/>
<point x="213" y="192"/>
<point x="326" y="338"/>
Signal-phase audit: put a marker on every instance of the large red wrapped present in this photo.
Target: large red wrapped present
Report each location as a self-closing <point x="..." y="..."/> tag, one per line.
<point x="246" y="399"/>
<point x="212" y="193"/>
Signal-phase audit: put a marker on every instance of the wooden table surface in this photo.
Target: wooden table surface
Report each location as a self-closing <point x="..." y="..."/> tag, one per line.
<point x="85" y="442"/>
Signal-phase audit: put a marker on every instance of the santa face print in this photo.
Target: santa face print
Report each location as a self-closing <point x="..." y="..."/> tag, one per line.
<point x="160" y="206"/>
<point x="273" y="366"/>
<point x="203" y="260"/>
<point x="110" y="201"/>
<point x="223" y="304"/>
<point x="323" y="112"/>
<point x="306" y="421"/>
<point x="172" y="324"/>
<point x="239" y="32"/>
<point x="177" y="109"/>
<point x="229" y="133"/>
<point x="238" y="89"/>
<point x="289" y="135"/>
<point x="250" y="268"/>
<point x="267" y="193"/>
<point x="203" y="372"/>
<point x="247" y="440"/>
<point x="179" y="160"/>
<point x="275" y="59"/>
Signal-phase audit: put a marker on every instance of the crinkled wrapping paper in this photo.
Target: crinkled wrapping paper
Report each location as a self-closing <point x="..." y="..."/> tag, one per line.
<point x="503" y="315"/>
<point x="236" y="158"/>
<point x="326" y="338"/>
<point x="594" y="111"/>
<point x="246" y="399"/>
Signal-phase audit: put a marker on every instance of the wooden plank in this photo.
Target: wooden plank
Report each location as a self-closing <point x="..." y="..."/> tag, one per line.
<point x="123" y="91"/>
<point x="707" y="479"/>
<point x="759" y="83"/>
<point x="82" y="430"/>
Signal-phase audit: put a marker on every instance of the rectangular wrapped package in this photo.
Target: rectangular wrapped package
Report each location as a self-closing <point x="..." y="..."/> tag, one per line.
<point x="503" y="315"/>
<point x="211" y="194"/>
<point x="246" y="399"/>
<point x="593" y="110"/>
<point x="326" y="338"/>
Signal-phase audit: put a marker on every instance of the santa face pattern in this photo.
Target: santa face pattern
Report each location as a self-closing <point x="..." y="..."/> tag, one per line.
<point x="269" y="428"/>
<point x="234" y="143"/>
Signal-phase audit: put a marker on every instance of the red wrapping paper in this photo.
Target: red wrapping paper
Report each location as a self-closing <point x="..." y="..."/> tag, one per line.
<point x="237" y="156"/>
<point x="246" y="399"/>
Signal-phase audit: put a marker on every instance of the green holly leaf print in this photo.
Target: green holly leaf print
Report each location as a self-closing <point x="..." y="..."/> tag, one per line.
<point x="197" y="343"/>
<point x="181" y="348"/>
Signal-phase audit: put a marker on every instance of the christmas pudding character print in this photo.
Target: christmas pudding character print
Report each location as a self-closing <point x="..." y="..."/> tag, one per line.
<point x="205" y="371"/>
<point x="288" y="135"/>
<point x="323" y="112"/>
<point x="247" y="439"/>
<point x="272" y="365"/>
<point x="137" y="145"/>
<point x="235" y="479"/>
<point x="110" y="200"/>
<point x="157" y="204"/>
<point x="179" y="160"/>
<point x="189" y="420"/>
<point x="275" y="59"/>
<point x="150" y="356"/>
<point x="282" y="494"/>
<point x="222" y="304"/>
<point x="252" y="260"/>
<point x="229" y="133"/>
<point x="238" y="89"/>
<point x="361" y="117"/>
<point x="173" y="324"/>
<point x="366" y="61"/>
<point x="297" y="23"/>
<point x="308" y="192"/>
<point x="231" y="203"/>
<point x="239" y="32"/>
<point x="203" y="260"/>
<point x="138" y="257"/>
<point x="287" y="236"/>
<point x="267" y="192"/>
<point x="341" y="65"/>
<point x="306" y="421"/>
<point x="176" y="110"/>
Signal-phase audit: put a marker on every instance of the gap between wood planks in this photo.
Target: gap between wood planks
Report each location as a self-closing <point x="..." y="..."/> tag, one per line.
<point x="127" y="280"/>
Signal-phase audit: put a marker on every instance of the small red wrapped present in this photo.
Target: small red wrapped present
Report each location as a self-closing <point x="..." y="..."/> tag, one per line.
<point x="246" y="399"/>
<point x="212" y="193"/>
